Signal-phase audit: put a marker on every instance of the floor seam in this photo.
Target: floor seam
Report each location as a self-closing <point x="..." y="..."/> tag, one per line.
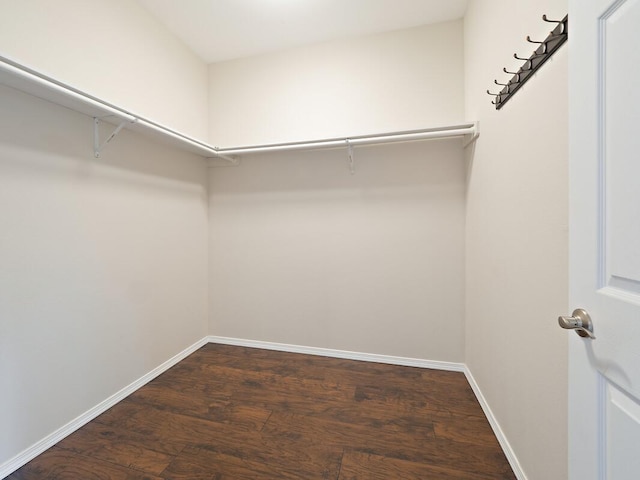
<point x="340" y="467"/>
<point x="266" y="421"/>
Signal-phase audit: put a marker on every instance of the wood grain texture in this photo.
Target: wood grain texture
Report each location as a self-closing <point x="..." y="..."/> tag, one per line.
<point x="230" y="412"/>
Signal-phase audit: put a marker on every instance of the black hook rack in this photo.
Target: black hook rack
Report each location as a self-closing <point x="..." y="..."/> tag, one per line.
<point x="541" y="54"/>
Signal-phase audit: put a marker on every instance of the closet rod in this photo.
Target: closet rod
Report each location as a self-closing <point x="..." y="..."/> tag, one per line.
<point x="30" y="81"/>
<point x="35" y="83"/>
<point x="25" y="79"/>
<point x="470" y="129"/>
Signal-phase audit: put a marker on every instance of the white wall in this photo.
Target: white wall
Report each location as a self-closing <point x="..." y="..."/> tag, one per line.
<point x="103" y="273"/>
<point x="516" y="248"/>
<point x="304" y="253"/>
<point x="95" y="256"/>
<point x="401" y="80"/>
<point x="114" y="50"/>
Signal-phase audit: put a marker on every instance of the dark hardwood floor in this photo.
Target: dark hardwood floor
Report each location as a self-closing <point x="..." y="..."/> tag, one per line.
<point x="239" y="413"/>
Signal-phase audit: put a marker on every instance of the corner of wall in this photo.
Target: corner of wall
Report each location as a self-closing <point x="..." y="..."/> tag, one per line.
<point x="516" y="236"/>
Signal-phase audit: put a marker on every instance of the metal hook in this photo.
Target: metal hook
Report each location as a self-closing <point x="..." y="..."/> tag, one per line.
<point x="502" y="84"/>
<point x="517" y="74"/>
<point x="559" y="22"/>
<point x="532" y="41"/>
<point x="543" y="44"/>
<point x="494" y="94"/>
<point x="528" y="60"/>
<point x="546" y="19"/>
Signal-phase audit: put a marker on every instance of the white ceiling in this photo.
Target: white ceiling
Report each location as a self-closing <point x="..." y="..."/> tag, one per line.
<point x="225" y="29"/>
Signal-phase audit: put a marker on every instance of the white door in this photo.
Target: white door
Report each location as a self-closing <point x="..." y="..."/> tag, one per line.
<point x="604" y="374"/>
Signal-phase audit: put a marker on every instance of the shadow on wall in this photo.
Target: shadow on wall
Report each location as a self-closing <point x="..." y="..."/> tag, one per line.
<point x="376" y="167"/>
<point x="32" y="129"/>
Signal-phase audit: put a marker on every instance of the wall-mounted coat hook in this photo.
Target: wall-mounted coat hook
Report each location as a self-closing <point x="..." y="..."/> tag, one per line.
<point x="496" y="95"/>
<point x="543" y="45"/>
<point x="517" y="74"/>
<point x="527" y="66"/>
<point x="559" y="22"/>
<point x="541" y="54"/>
<point x="546" y="19"/>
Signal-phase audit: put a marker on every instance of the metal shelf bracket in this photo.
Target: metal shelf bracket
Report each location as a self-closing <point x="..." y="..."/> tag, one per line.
<point x="223" y="161"/>
<point x="97" y="147"/>
<point x="472" y="137"/>
<point x="351" y="160"/>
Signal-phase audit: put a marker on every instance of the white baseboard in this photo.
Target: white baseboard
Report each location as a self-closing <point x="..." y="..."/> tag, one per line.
<point x="502" y="439"/>
<point x="49" y="441"/>
<point x="328" y="352"/>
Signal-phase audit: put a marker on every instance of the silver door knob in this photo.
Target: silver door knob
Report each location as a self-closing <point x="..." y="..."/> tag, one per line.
<point x="580" y="321"/>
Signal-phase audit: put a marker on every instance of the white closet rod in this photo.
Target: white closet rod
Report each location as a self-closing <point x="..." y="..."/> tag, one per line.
<point x="470" y="129"/>
<point x="19" y="73"/>
<point x="42" y="86"/>
<point x="35" y="83"/>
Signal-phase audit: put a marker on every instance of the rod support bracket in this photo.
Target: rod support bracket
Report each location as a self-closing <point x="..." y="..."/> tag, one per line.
<point x="221" y="160"/>
<point x="97" y="146"/>
<point x="350" y="158"/>
<point x="473" y="136"/>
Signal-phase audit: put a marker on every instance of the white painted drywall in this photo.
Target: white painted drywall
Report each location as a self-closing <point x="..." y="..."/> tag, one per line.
<point x="103" y="264"/>
<point x="401" y="80"/>
<point x="113" y="49"/>
<point x="304" y="253"/>
<point x="516" y="248"/>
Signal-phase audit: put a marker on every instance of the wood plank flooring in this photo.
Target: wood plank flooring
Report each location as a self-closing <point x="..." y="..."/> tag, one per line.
<point x="239" y="413"/>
